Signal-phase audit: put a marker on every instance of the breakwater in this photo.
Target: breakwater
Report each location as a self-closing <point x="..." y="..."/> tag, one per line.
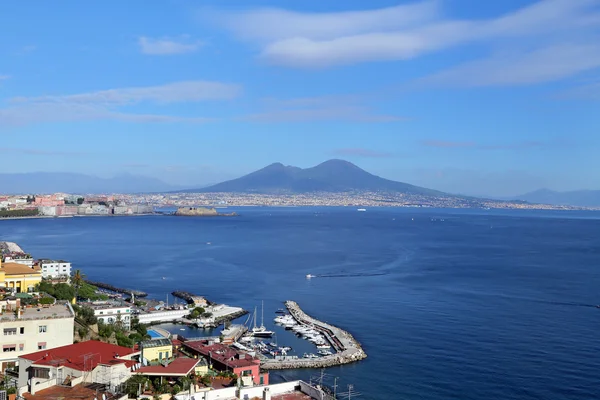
<point x="102" y="285"/>
<point x="348" y="350"/>
<point x="188" y="297"/>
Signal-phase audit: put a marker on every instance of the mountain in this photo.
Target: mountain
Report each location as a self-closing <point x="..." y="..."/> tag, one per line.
<point x="580" y="198"/>
<point x="330" y="176"/>
<point x="52" y="182"/>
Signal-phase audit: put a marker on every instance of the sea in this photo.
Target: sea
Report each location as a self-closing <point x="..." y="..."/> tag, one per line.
<point x="448" y="304"/>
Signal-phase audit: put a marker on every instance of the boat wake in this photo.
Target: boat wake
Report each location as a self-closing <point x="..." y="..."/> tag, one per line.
<point x="349" y="275"/>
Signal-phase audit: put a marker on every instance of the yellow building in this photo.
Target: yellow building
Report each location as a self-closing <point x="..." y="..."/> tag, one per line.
<point x="156" y="349"/>
<point x="20" y="277"/>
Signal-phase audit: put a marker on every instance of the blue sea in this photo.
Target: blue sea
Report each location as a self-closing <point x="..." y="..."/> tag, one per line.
<point x="448" y="304"/>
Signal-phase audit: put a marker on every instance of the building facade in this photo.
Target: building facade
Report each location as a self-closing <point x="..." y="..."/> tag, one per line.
<point x="19" y="278"/>
<point x="55" y="269"/>
<point x="25" y="330"/>
<point x="111" y="312"/>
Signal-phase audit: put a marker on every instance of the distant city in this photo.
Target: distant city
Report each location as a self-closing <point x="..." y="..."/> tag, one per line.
<point x="66" y="205"/>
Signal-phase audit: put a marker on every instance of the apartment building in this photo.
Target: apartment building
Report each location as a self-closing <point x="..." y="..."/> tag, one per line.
<point x="25" y="330"/>
<point x="55" y="269"/>
<point x="111" y="312"/>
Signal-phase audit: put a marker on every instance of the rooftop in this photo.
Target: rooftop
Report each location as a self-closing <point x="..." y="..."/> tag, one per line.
<point x="147" y="344"/>
<point x="72" y="356"/>
<point x="82" y="391"/>
<point x="223" y="354"/>
<point x="181" y="366"/>
<point x="58" y="310"/>
<point x="18" y="269"/>
<point x="106" y="305"/>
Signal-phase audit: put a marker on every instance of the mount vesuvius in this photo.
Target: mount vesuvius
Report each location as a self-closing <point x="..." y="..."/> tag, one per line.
<point x="330" y="176"/>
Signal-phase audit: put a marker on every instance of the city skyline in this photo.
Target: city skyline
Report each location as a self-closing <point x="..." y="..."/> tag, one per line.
<point x="460" y="96"/>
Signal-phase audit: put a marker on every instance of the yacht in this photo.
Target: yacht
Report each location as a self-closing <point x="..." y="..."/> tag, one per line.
<point x="362" y="209"/>
<point x="310" y="276"/>
<point x="261" y="331"/>
<point x="323" y="346"/>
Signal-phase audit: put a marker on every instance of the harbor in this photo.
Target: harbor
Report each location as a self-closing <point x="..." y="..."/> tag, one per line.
<point x="347" y="349"/>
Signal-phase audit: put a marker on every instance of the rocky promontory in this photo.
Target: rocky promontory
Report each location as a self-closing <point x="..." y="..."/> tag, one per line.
<point x="201" y="212"/>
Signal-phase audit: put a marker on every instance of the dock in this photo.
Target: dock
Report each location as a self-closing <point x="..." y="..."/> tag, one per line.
<point x="102" y="285"/>
<point x="348" y="350"/>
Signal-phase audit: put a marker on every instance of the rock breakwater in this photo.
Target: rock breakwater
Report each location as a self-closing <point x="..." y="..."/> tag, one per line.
<point x="348" y="350"/>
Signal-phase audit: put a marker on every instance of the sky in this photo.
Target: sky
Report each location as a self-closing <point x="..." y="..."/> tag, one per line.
<point x="478" y="97"/>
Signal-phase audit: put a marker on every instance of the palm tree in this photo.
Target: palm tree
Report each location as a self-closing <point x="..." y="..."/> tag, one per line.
<point x="78" y="280"/>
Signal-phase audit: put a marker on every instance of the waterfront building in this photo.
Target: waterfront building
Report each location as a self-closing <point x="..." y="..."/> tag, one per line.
<point x="18" y="277"/>
<point x="54" y="268"/>
<point x="80" y="363"/>
<point x="25" y="330"/>
<point x="294" y="390"/>
<point x="224" y="358"/>
<point x="111" y="312"/>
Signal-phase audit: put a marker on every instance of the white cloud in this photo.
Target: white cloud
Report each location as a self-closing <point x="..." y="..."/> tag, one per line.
<point x="522" y="67"/>
<point x="316" y="40"/>
<point x="4" y="77"/>
<point x="345" y="108"/>
<point x="170" y="93"/>
<point x="109" y="104"/>
<point x="168" y="46"/>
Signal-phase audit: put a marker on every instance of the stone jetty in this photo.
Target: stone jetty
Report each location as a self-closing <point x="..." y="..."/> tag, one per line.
<point x="348" y="350"/>
<point x="102" y="285"/>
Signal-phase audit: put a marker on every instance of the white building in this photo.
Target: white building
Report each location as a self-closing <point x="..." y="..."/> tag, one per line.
<point x="72" y="365"/>
<point x="110" y="312"/>
<point x="33" y="329"/>
<point x="55" y="269"/>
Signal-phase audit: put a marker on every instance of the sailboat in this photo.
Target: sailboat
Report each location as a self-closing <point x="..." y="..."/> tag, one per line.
<point x="261" y="331"/>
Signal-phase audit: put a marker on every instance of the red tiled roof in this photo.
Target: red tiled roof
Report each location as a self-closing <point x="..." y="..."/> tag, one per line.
<point x="63" y="392"/>
<point x="181" y="366"/>
<point x="80" y="356"/>
<point x="223" y="354"/>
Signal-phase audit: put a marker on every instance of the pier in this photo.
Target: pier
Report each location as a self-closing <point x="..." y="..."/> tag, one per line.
<point x="348" y="350"/>
<point x="102" y="285"/>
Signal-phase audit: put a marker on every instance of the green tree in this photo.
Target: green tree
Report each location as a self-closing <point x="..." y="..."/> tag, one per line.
<point x="78" y="281"/>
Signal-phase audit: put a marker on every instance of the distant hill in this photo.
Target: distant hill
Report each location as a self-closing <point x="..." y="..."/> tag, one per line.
<point x="52" y="182"/>
<point x="330" y="176"/>
<point x="580" y="198"/>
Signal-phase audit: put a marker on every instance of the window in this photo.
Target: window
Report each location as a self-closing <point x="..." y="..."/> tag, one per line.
<point x="9" y="347"/>
<point x="41" y="373"/>
<point x="42" y="346"/>
<point x="101" y="312"/>
<point x="22" y="330"/>
<point x="10" y="331"/>
<point x="21" y="347"/>
<point x="43" y="328"/>
<point x="262" y="380"/>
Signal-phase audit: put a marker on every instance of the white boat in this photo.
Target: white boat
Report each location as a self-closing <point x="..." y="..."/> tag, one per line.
<point x="323" y="346"/>
<point x="310" y="276"/>
<point x="261" y="331"/>
<point x="362" y="209"/>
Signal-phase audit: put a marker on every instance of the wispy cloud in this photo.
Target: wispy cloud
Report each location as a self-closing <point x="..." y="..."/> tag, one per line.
<point x="349" y="108"/>
<point x="447" y="144"/>
<point x="111" y="104"/>
<point x="4" y="77"/>
<point x="40" y="152"/>
<point x="168" y="46"/>
<point x="560" y="35"/>
<point x="361" y="152"/>
<point x="441" y="144"/>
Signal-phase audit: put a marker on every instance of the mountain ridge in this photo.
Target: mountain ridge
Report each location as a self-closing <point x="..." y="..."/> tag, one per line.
<point x="577" y="198"/>
<point x="73" y="182"/>
<point x="333" y="175"/>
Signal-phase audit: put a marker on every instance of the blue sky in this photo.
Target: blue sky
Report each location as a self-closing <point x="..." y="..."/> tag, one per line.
<point x="469" y="96"/>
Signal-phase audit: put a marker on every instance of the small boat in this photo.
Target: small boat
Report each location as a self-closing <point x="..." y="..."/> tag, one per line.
<point x="310" y="276"/>
<point x="280" y="311"/>
<point x="362" y="209"/>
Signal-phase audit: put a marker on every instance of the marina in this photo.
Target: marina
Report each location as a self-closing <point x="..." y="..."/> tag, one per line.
<point x="323" y="335"/>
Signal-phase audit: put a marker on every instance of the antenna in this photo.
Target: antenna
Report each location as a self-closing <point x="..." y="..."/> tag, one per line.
<point x="350" y="394"/>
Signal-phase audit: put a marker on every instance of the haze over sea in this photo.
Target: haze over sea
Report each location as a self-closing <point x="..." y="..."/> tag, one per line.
<point x="448" y="304"/>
